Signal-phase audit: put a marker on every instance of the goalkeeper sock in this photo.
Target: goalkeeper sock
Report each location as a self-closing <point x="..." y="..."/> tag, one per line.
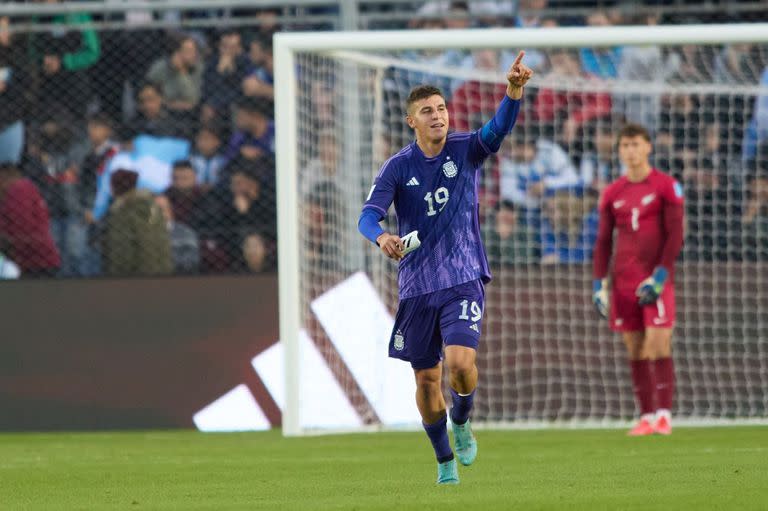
<point x="642" y="383"/>
<point x="665" y="382"/>
<point x="438" y="435"/>
<point x="462" y="406"/>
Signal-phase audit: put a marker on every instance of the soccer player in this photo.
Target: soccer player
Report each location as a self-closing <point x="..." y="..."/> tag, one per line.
<point x="433" y="182"/>
<point x="645" y="208"/>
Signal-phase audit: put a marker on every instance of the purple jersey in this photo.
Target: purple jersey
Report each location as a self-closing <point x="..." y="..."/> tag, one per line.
<point x="438" y="197"/>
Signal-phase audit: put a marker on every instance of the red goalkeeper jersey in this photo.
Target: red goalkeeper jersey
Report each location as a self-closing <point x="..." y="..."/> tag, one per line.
<point x="648" y="219"/>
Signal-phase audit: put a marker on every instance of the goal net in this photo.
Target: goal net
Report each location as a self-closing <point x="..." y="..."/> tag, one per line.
<point x="545" y="356"/>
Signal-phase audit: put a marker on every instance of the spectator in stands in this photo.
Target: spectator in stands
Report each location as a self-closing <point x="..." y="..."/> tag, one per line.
<point x="596" y="164"/>
<point x="154" y="118"/>
<point x="101" y="149"/>
<point x="323" y="167"/>
<point x="508" y="239"/>
<point x="600" y="62"/>
<point x="230" y="213"/>
<point x="184" y="195"/>
<point x="690" y="64"/>
<point x="534" y="168"/>
<point x="185" y="244"/>
<point x="255" y="134"/>
<point x="529" y="14"/>
<point x="735" y="64"/>
<point x="713" y="199"/>
<point x="755" y="219"/>
<point x="757" y="131"/>
<point x="64" y="56"/>
<point x="641" y="65"/>
<point x="558" y="105"/>
<point x="569" y="228"/>
<point x="179" y="76"/>
<point x="475" y="101"/>
<point x="207" y="158"/>
<point x="56" y="152"/>
<point x="321" y="222"/>
<point x="259" y="81"/>
<point x="136" y="240"/>
<point x="223" y="76"/>
<point x="255" y="253"/>
<point x="25" y="231"/>
<point x="13" y="102"/>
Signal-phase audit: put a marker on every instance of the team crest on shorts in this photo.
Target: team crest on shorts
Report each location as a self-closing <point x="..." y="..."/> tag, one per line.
<point x="399" y="341"/>
<point x="450" y="169"/>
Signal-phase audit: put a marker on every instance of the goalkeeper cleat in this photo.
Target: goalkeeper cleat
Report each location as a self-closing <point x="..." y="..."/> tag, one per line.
<point x="642" y="428"/>
<point x="663" y="426"/>
<point x="448" y="472"/>
<point x="465" y="443"/>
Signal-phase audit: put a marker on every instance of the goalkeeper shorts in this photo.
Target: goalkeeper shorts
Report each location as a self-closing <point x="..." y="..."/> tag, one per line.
<point x="425" y="323"/>
<point x="627" y="315"/>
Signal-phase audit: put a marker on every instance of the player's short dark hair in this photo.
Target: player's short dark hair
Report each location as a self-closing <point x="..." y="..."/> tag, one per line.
<point x="101" y="119"/>
<point x="422" y="92"/>
<point x="255" y="105"/>
<point x="632" y="130"/>
<point x="183" y="164"/>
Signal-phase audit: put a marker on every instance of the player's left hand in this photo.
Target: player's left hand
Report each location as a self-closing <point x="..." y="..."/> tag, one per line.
<point x="650" y="289"/>
<point x="519" y="74"/>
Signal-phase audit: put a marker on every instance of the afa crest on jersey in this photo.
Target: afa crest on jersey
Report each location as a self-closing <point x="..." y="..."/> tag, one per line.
<point x="450" y="169"/>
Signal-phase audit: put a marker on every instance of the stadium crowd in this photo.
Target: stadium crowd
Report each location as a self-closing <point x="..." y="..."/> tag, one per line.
<point x="151" y="151"/>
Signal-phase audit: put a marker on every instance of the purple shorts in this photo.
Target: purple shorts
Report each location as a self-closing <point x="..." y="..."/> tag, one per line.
<point x="424" y="323"/>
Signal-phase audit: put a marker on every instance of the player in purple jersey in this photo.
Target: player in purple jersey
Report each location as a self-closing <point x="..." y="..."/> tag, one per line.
<point x="433" y="183"/>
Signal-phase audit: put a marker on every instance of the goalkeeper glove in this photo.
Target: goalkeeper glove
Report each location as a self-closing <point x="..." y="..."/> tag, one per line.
<point x="650" y="289"/>
<point x="600" y="296"/>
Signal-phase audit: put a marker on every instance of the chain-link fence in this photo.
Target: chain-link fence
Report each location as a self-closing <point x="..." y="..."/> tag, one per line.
<point x="141" y="142"/>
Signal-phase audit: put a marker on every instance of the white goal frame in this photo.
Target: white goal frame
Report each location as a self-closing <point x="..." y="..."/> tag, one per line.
<point x="287" y="45"/>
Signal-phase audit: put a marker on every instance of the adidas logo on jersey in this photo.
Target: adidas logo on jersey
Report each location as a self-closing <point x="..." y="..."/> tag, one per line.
<point x="474" y="327"/>
<point x="412" y="182"/>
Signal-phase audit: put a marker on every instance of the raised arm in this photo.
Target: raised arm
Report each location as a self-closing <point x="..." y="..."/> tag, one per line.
<point x="494" y="131"/>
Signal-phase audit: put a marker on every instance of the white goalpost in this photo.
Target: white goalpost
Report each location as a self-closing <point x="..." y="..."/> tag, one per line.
<point x="545" y="357"/>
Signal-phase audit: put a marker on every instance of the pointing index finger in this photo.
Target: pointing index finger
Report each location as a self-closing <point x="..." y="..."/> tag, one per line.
<point x="518" y="59"/>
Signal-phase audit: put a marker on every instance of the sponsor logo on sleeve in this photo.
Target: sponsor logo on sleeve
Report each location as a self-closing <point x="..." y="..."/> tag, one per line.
<point x="678" y="190"/>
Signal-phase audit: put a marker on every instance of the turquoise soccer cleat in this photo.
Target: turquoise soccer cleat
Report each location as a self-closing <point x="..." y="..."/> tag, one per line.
<point x="465" y="443"/>
<point x="448" y="472"/>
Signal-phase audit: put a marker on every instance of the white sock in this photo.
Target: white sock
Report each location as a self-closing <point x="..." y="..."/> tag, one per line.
<point x="663" y="412"/>
<point x="647" y="417"/>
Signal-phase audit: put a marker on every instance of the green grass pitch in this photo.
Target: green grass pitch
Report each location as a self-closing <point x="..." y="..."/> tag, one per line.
<point x="695" y="468"/>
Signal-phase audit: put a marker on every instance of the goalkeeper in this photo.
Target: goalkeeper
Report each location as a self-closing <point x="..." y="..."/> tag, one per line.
<point x="645" y="208"/>
<point x="433" y="182"/>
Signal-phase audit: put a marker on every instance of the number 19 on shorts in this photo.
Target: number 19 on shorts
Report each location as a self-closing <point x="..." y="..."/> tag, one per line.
<point x="474" y="308"/>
